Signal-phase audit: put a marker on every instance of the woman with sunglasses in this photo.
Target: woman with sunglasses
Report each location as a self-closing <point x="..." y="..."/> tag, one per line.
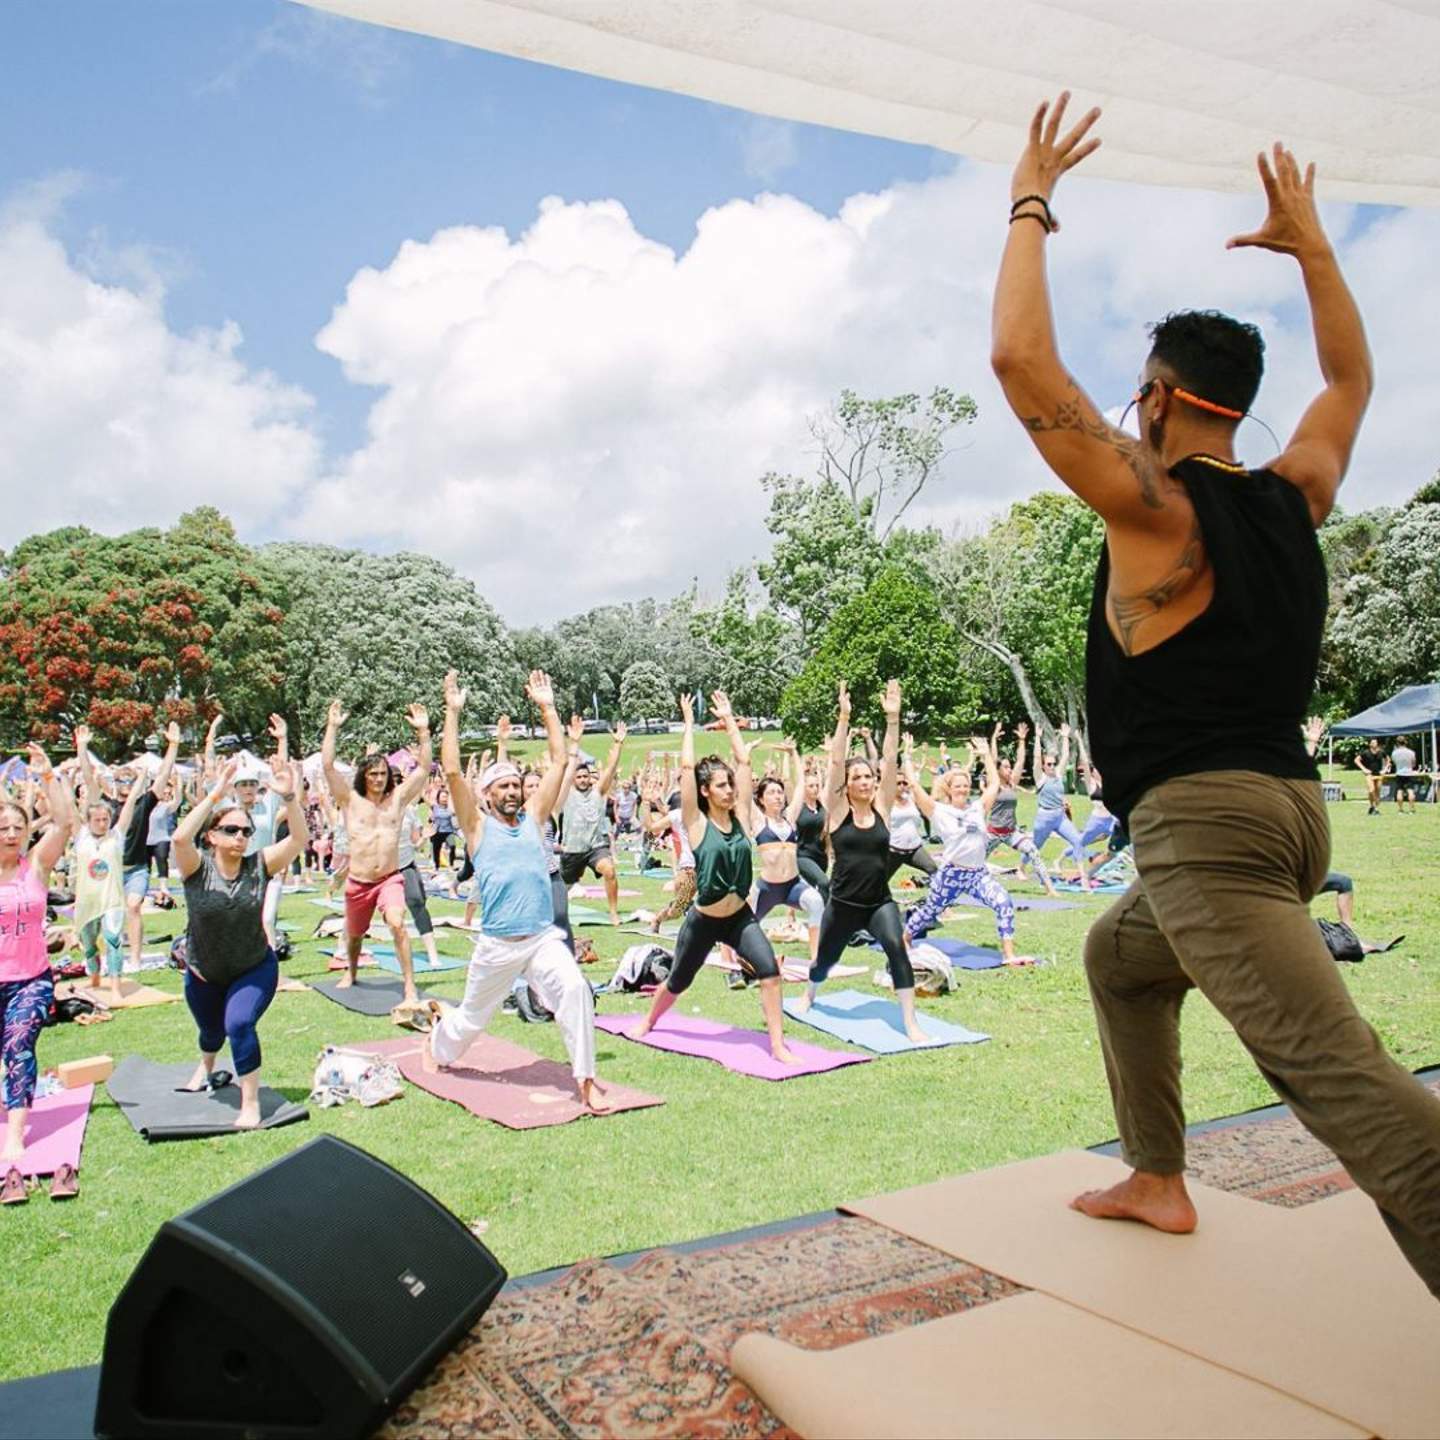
<point x="26" y="986"/>
<point x="1050" y="816"/>
<point x="230" y="970"/>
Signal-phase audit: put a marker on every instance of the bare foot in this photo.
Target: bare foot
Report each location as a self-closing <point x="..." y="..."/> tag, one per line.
<point x="412" y="996"/>
<point x="1018" y="960"/>
<point x="345" y="982"/>
<point x="248" y="1118"/>
<point x="199" y="1080"/>
<point x="117" y="989"/>
<point x="642" y="1030"/>
<point x="785" y="1055"/>
<point x="801" y="1004"/>
<point x="433" y="964"/>
<point x="11" y="1152"/>
<point x="428" y="1063"/>
<point x="916" y="1035"/>
<point x="614" y="918"/>
<point x="594" y="1098"/>
<point x="1160" y="1201"/>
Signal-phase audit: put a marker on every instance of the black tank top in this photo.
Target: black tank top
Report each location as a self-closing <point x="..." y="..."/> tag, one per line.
<point x="810" y="834"/>
<point x="1230" y="690"/>
<point x="862" y="863"/>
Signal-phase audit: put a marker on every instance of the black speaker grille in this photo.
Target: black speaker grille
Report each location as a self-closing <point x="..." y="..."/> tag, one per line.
<point x="382" y="1261"/>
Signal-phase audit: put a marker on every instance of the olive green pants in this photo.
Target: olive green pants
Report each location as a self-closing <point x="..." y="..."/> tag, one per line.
<point x="1227" y="863"/>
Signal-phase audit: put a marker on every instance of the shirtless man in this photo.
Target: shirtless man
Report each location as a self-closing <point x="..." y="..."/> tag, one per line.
<point x="373" y="809"/>
<point x="512" y="877"/>
<point x="1204" y="641"/>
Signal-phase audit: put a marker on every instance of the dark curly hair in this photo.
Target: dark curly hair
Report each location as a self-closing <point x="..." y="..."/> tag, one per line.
<point x="710" y="766"/>
<point x="1212" y="355"/>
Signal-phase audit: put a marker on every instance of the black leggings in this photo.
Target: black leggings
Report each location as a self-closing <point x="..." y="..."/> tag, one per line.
<point x="917" y="859"/>
<point x="560" y="900"/>
<point x="415" y="899"/>
<point x="441" y="843"/>
<point x="701" y="933"/>
<point x="467" y="870"/>
<point x="813" y="871"/>
<point x="841" y="921"/>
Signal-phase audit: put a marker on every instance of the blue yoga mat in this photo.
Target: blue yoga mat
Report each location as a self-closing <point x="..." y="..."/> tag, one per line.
<point x="386" y="959"/>
<point x="966" y="957"/>
<point x="874" y="1023"/>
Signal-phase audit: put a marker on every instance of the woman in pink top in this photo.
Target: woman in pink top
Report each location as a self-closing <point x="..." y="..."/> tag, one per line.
<point x="26" y="987"/>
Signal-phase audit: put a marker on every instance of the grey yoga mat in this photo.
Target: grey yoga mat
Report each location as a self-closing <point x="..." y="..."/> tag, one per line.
<point x="366" y="996"/>
<point x="149" y="1096"/>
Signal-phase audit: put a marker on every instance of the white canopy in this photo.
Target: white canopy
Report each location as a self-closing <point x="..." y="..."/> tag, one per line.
<point x="1191" y="88"/>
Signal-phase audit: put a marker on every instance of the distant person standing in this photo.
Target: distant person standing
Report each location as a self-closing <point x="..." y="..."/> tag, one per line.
<point x="585" y="829"/>
<point x="1402" y="762"/>
<point x="1373" y="763"/>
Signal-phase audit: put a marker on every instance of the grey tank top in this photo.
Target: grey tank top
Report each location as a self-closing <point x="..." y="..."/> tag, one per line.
<point x="225" y="936"/>
<point x="1002" y="812"/>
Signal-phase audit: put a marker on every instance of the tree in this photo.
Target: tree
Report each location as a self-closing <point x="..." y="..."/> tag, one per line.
<point x="127" y="633"/>
<point x="894" y="628"/>
<point x="752" y="653"/>
<point x="1386" y="630"/>
<point x="646" y="692"/>
<point x="380" y="631"/>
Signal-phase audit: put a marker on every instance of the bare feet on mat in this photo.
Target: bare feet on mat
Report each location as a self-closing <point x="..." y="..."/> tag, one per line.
<point x="1160" y="1201"/>
<point x="594" y="1098"/>
<point x="200" y="1080"/>
<point x="428" y="1063"/>
<point x="916" y="1035"/>
<point x="642" y="1029"/>
<point x="249" y="1117"/>
<point x="801" y="1004"/>
<point x="412" y="997"/>
<point x="345" y="981"/>
<point x="784" y="1054"/>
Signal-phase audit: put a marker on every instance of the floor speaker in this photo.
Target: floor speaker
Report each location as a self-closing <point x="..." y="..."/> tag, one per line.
<point x="307" y="1300"/>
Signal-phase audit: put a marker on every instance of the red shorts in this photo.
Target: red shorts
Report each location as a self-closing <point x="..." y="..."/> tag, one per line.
<point x="363" y="896"/>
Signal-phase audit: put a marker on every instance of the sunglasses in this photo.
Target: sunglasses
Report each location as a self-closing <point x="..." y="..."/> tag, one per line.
<point x="246" y="830"/>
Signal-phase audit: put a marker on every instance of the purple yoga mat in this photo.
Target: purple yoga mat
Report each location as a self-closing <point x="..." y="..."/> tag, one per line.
<point x="56" y="1131"/>
<point x="746" y="1052"/>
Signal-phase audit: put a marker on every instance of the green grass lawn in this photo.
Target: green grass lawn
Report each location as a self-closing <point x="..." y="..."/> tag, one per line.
<point x="724" y="1151"/>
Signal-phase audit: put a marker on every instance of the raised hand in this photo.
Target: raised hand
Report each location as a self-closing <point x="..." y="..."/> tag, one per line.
<point x="687" y="708"/>
<point x="575" y="730"/>
<point x="1292" y="224"/>
<point x="539" y="689"/>
<point x="37" y="759"/>
<point x="620" y="732"/>
<point x="890" y="701"/>
<point x="842" y="701"/>
<point x="1315" y="729"/>
<point x="998" y="731"/>
<point x="417" y="717"/>
<point x="502" y="728"/>
<point x="82" y="738"/>
<point x="228" y="771"/>
<point x="1021" y="731"/>
<point x="336" y="715"/>
<point x="1064" y="729"/>
<point x="720" y="705"/>
<point x="215" y="720"/>
<point x="172" y="734"/>
<point x="486" y="756"/>
<point x="1048" y="154"/>
<point x="284" y="779"/>
<point x="454" y="694"/>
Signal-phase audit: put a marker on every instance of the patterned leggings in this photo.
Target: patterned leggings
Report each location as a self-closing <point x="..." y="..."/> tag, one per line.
<point x="24" y="1004"/>
<point x="948" y="886"/>
<point x="108" y="926"/>
<point x="682" y="899"/>
<point x="1023" y="846"/>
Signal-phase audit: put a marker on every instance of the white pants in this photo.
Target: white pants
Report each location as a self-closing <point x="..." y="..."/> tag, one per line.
<point x="270" y="910"/>
<point x="547" y="964"/>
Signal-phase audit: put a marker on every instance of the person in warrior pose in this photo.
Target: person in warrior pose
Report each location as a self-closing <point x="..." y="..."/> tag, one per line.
<point x="857" y="802"/>
<point x="585" y="831"/>
<point x="1052" y="816"/>
<point x="907" y="844"/>
<point x="715" y="804"/>
<point x="774" y="835"/>
<point x="811" y="856"/>
<point x="373" y="809"/>
<point x="1004" y="825"/>
<point x="1100" y="825"/>
<point x="1205" y="630"/>
<point x="518" y="936"/>
<point x="961" y="820"/>
<point x="136" y="879"/>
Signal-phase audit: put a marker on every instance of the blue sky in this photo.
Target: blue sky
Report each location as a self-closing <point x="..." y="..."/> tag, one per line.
<point x="299" y="268"/>
<point x="262" y="152"/>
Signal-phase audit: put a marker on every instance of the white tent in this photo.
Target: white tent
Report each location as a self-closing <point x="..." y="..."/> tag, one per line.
<point x="1191" y="90"/>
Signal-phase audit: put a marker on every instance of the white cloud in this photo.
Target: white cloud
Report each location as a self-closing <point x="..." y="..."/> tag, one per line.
<point x="109" y="418"/>
<point x="579" y="414"/>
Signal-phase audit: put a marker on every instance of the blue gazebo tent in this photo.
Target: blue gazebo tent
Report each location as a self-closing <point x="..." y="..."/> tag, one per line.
<point x="1415" y="710"/>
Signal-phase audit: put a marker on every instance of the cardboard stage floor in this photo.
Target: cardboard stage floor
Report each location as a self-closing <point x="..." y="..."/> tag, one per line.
<point x="1031" y="1366"/>
<point x="1317" y="1304"/>
<point x="506" y="1083"/>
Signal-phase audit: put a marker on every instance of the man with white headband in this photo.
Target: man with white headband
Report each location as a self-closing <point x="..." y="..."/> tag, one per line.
<point x="517" y="917"/>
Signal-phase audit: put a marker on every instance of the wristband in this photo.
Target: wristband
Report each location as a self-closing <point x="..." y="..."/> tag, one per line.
<point x="1033" y="215"/>
<point x="1039" y="200"/>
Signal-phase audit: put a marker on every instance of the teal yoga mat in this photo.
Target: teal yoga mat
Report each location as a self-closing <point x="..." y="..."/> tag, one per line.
<point x="874" y="1023"/>
<point x="385" y="959"/>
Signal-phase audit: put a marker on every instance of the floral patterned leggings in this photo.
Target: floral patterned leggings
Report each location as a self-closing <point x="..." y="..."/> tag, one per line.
<point x="25" y="1005"/>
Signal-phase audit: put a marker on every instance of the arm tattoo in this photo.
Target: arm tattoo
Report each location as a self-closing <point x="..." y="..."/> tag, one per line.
<point x="1129" y="612"/>
<point x="1077" y="414"/>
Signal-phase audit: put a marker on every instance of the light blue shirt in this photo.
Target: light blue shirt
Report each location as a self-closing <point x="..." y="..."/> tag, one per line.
<point x="514" y="880"/>
<point x="264" y="816"/>
<point x="1050" y="793"/>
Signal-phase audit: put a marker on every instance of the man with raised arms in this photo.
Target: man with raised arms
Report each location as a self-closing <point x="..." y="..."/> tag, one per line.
<point x="1205" y="628"/>
<point x="373" y="809"/>
<point x="518" y="934"/>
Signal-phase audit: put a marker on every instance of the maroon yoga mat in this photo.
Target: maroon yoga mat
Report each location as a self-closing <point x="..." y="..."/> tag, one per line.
<point x="505" y="1083"/>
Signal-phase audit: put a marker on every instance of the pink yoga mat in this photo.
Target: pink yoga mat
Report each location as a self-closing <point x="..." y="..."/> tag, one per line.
<point x="505" y="1083"/>
<point x="597" y="892"/>
<point x="56" y="1131"/>
<point x="746" y="1052"/>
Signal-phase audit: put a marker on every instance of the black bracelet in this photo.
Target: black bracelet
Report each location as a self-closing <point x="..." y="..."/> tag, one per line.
<point x="1032" y="215"/>
<point x="1040" y="200"/>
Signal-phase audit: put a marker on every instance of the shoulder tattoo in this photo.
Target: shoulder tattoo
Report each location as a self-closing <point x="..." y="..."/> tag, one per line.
<point x="1129" y="612"/>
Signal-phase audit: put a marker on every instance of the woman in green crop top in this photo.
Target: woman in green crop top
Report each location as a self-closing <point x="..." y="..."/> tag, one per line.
<point x="715" y="803"/>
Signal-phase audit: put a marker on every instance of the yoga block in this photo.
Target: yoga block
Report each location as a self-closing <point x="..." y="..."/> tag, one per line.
<point x="93" y="1071"/>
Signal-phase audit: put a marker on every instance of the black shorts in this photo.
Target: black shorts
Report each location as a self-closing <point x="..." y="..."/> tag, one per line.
<point x="573" y="866"/>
